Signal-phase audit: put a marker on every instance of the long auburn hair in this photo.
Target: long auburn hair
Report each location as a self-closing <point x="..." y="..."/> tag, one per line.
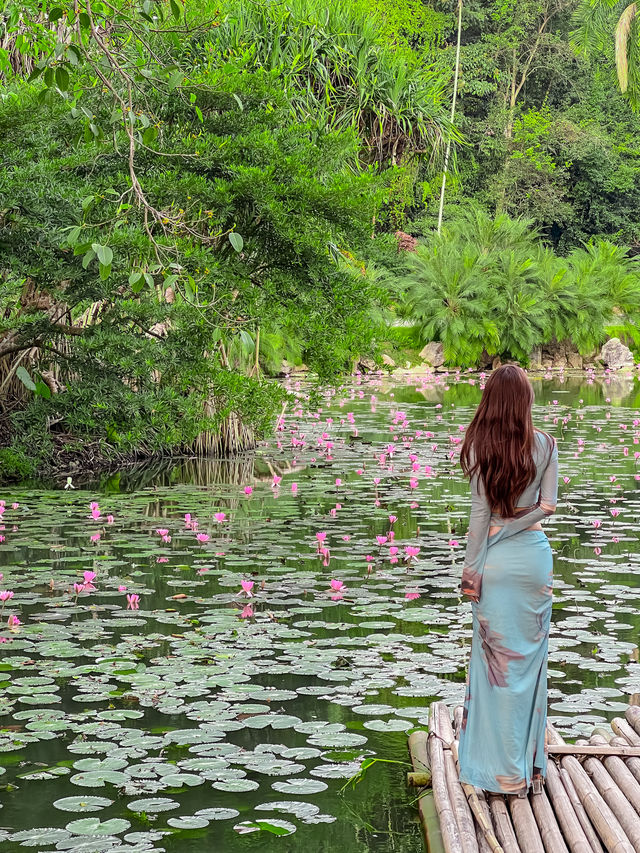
<point x="501" y="437"/>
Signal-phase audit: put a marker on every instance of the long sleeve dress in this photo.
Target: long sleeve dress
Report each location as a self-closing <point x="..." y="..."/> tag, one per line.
<point x="511" y="576"/>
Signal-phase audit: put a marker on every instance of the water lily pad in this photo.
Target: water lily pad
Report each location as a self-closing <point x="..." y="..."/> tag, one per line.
<point x="195" y="822"/>
<point x="82" y="804"/>
<point x="159" y="804"/>
<point x="94" y="826"/>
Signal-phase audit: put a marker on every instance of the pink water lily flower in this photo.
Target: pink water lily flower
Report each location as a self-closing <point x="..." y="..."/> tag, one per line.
<point x="109" y="519"/>
<point x="220" y="516"/>
<point x="6" y="595"/>
<point x="202" y="537"/>
<point x="247" y="588"/>
<point x="411" y="551"/>
<point x="276" y="481"/>
<point x="247" y="612"/>
<point x="122" y="588"/>
<point x="413" y="483"/>
<point x="162" y="531"/>
<point x="248" y="490"/>
<point x="411" y="596"/>
<point x="13" y="623"/>
<point x="294" y="488"/>
<point x="381" y="539"/>
<point x="88" y="579"/>
<point x="392" y="519"/>
<point x="336" y="585"/>
<point x="453" y="543"/>
<point x="133" y="601"/>
<point x="78" y="588"/>
<point x="596" y="523"/>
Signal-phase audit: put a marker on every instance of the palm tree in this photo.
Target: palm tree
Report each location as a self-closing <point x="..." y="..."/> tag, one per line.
<point x="601" y="25"/>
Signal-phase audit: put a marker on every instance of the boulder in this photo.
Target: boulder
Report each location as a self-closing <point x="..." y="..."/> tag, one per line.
<point x="386" y="359"/>
<point x="615" y="355"/>
<point x="575" y="361"/>
<point x="535" y="359"/>
<point x="496" y="362"/>
<point x="433" y="354"/>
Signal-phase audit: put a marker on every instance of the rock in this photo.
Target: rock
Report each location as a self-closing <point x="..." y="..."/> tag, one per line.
<point x="406" y="242"/>
<point x="496" y="363"/>
<point x="535" y="359"/>
<point x="559" y="361"/>
<point x="485" y="360"/>
<point x="366" y="365"/>
<point x="433" y="354"/>
<point x="616" y="355"/>
<point x="386" y="359"/>
<point x="575" y="360"/>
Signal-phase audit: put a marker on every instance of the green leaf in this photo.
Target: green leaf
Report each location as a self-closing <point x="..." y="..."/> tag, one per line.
<point x="85" y="20"/>
<point x="62" y="78"/>
<point x="199" y="113"/>
<point x="23" y="375"/>
<point x="150" y="135"/>
<point x="43" y="390"/>
<point x="240" y="104"/>
<point x="236" y="241"/>
<point x="103" y="253"/>
<point x="74" y="233"/>
<point x="105" y="271"/>
<point x="89" y="256"/>
<point x="55" y="14"/>
<point x="137" y="281"/>
<point x="175" y="79"/>
<point x="175" y="9"/>
<point x="87" y="202"/>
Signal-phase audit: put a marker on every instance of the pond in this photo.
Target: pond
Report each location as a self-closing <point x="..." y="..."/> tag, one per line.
<point x="207" y="652"/>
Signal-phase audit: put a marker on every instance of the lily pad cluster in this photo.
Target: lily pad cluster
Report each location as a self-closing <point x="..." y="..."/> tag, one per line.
<point x="196" y="660"/>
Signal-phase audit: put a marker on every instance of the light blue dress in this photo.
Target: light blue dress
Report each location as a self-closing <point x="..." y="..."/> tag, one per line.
<point x="502" y="737"/>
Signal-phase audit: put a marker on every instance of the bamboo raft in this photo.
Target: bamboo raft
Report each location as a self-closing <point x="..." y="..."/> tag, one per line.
<point x="590" y="802"/>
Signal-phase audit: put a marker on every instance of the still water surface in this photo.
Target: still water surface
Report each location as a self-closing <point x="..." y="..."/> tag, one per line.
<point x="205" y="713"/>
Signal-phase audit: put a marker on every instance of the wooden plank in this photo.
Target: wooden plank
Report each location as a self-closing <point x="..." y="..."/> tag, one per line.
<point x="525" y="825"/>
<point x="632" y="763"/>
<point x="483" y="844"/>
<point x="593" y="749"/>
<point x="571" y="827"/>
<point x="502" y="822"/>
<point x="550" y="832"/>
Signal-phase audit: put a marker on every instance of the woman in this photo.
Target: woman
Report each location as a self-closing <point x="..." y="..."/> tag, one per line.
<point x="508" y="575"/>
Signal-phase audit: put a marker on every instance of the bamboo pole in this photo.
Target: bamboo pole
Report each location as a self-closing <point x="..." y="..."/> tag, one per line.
<point x="418" y="744"/>
<point x="554" y="737"/>
<point x="525" y="825"/>
<point x="550" y="832"/>
<point x="621" y="775"/>
<point x="621" y="727"/>
<point x="419" y="753"/>
<point x="600" y="814"/>
<point x="632" y="763"/>
<point x="615" y="799"/>
<point x="632" y="715"/>
<point x="457" y="720"/>
<point x="483" y="844"/>
<point x="583" y="817"/>
<point x="457" y="795"/>
<point x="448" y="824"/>
<point x="485" y="831"/>
<point x="570" y="825"/>
<point x="502" y="822"/>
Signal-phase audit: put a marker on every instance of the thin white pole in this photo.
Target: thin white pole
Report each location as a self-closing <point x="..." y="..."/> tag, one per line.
<point x="453" y="112"/>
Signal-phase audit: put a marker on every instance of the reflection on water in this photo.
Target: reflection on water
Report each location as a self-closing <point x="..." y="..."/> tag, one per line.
<point x="263" y="706"/>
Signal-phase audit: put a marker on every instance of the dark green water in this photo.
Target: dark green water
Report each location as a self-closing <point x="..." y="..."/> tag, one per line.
<point x="267" y="717"/>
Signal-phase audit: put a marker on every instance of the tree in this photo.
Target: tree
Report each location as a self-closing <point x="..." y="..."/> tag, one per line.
<point x="156" y="210"/>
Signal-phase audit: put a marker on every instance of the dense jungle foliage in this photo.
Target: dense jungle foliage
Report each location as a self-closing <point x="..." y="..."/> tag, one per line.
<point x="192" y="193"/>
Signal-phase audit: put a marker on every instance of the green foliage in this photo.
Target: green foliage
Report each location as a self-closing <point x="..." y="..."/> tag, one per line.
<point x="488" y="284"/>
<point x="143" y="246"/>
